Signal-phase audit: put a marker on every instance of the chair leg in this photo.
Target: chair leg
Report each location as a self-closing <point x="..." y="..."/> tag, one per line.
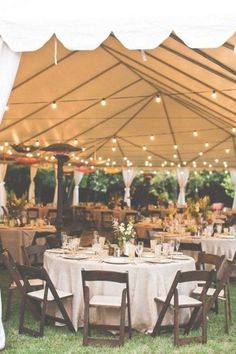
<point x="86" y="318"/>
<point x="229" y="302"/>
<point x="42" y="320"/>
<point x="22" y="315"/>
<point x="8" y="306"/>
<point x="226" y="315"/>
<point x="157" y="328"/>
<point x="204" y="324"/>
<point x="176" y="326"/>
<point x="122" y="324"/>
<point x="129" y="322"/>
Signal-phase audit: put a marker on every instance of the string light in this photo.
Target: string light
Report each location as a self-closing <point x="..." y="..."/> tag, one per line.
<point x="158" y="98"/>
<point x="233" y="130"/>
<point x="200" y="153"/>
<point x="37" y="143"/>
<point x="175" y="156"/>
<point x="195" y="133"/>
<point x="100" y="158"/>
<point x="184" y="163"/>
<point x="103" y="102"/>
<point x="210" y="165"/>
<point x="125" y="158"/>
<point x="113" y="148"/>
<point x="75" y="141"/>
<point x="83" y="148"/>
<point x="204" y="163"/>
<point x="144" y="148"/>
<point x="216" y="160"/>
<point x="6" y="108"/>
<point x="149" y="157"/>
<point x="113" y="163"/>
<point x="6" y="143"/>
<point x="214" y="94"/>
<point x="1" y="147"/>
<point x="175" y="147"/>
<point x="227" y="151"/>
<point x="172" y="163"/>
<point x="114" y="140"/>
<point x="206" y="145"/>
<point x="54" y="105"/>
<point x="152" y="137"/>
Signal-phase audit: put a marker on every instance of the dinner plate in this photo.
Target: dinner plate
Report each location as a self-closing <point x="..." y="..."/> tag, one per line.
<point x="227" y="237"/>
<point x="117" y="260"/>
<point x="148" y="255"/>
<point x="176" y="253"/>
<point x="158" y="261"/>
<point x="180" y="257"/>
<point x="57" y="250"/>
<point x="78" y="257"/>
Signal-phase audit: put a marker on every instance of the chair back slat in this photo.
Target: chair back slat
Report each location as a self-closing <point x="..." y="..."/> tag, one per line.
<point x="100" y="275"/>
<point x="33" y="254"/>
<point x="209" y="259"/>
<point x="186" y="246"/>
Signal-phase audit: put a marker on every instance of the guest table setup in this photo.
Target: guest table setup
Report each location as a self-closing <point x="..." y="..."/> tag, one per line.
<point x="149" y="276"/>
<point x="13" y="238"/>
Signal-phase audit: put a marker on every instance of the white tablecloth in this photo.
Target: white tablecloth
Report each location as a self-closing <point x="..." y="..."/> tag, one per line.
<point x="219" y="246"/>
<point x="14" y="237"/>
<point x="2" y="333"/>
<point x="146" y="281"/>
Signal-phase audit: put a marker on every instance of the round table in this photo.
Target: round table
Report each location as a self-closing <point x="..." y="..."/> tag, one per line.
<point x="13" y="238"/>
<point x="146" y="281"/>
<point x="223" y="245"/>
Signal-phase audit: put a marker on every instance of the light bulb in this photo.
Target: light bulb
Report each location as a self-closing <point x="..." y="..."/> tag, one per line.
<point x="227" y="151"/>
<point x="233" y="130"/>
<point x="200" y="153"/>
<point x="158" y="98"/>
<point x="54" y="105"/>
<point x="175" y="156"/>
<point x="114" y="140"/>
<point x="214" y="94"/>
<point x="206" y="145"/>
<point x="103" y="102"/>
<point x="75" y="141"/>
<point x="195" y="133"/>
<point x="152" y="137"/>
<point x="37" y="143"/>
<point x="113" y="148"/>
<point x="175" y="147"/>
<point x="144" y="148"/>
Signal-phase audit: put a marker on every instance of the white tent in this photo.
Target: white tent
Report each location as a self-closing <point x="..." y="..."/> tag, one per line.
<point x="188" y="127"/>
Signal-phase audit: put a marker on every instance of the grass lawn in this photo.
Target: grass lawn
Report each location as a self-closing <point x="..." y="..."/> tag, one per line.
<point x="60" y="340"/>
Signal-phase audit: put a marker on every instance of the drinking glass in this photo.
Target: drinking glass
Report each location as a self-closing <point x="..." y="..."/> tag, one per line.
<point x="158" y="249"/>
<point x="153" y="244"/>
<point x="166" y="249"/>
<point x="139" y="249"/>
<point x="177" y="244"/>
<point x="64" y="239"/>
<point x="171" y="246"/>
<point x="219" y="228"/>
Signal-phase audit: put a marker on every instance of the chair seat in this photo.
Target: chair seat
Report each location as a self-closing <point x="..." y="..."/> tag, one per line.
<point x="210" y="292"/>
<point x="183" y="300"/>
<point x="105" y="301"/>
<point x="39" y="294"/>
<point x="33" y="282"/>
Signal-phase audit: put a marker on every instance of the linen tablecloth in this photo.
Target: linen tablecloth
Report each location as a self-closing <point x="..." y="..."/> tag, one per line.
<point x="146" y="281"/>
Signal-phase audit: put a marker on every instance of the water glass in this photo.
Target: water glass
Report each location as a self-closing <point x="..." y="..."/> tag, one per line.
<point x="171" y="246"/>
<point x="64" y="239"/>
<point x="166" y="249"/>
<point x="153" y="244"/>
<point x="139" y="249"/>
<point x="158" y="249"/>
<point x="177" y="244"/>
<point x="219" y="228"/>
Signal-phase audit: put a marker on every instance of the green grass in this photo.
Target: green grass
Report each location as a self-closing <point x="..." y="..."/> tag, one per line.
<point x="61" y="341"/>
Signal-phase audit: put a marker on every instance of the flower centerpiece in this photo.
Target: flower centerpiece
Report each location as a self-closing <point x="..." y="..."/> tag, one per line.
<point x="15" y="205"/>
<point x="122" y="232"/>
<point x="200" y="208"/>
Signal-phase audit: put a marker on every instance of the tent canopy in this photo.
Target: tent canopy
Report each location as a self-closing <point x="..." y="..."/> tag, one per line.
<point x="188" y="127"/>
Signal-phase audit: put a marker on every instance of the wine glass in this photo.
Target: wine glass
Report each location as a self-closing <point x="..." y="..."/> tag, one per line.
<point x="139" y="249"/>
<point x="177" y="244"/>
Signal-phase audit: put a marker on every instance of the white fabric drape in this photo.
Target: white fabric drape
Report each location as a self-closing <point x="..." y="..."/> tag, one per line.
<point x="33" y="172"/>
<point x="233" y="179"/>
<point x="56" y="186"/>
<point x="182" y="177"/>
<point x="2" y="333"/>
<point x="77" y="179"/>
<point x="128" y="176"/>
<point x="137" y="24"/>
<point x="3" y="196"/>
<point x="9" y="62"/>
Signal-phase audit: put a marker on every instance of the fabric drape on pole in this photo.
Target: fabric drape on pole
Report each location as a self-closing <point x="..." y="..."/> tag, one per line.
<point x="77" y="179"/>
<point x="33" y="172"/>
<point x="3" y="196"/>
<point x="2" y="333"/>
<point x="9" y="62"/>
<point x="233" y="179"/>
<point x="128" y="176"/>
<point x="182" y="177"/>
<point x="56" y="186"/>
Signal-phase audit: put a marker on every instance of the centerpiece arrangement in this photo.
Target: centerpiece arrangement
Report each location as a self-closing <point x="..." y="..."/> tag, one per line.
<point x="15" y="205"/>
<point x="123" y="232"/>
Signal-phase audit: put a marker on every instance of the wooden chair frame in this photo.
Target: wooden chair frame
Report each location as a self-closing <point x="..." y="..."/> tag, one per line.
<point x="33" y="255"/>
<point x="115" y="277"/>
<point x="40" y="273"/>
<point x="183" y="277"/>
<point x="106" y="223"/>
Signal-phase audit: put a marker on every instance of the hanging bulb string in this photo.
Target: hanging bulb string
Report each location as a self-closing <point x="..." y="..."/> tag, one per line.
<point x="55" y="50"/>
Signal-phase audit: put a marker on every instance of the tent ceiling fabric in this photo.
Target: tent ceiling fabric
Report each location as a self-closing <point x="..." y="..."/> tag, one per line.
<point x="183" y="77"/>
<point x="27" y="25"/>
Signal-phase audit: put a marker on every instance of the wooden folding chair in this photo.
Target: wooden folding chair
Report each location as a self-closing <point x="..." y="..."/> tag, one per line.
<point x="40" y="237"/>
<point x="206" y="260"/>
<point x="133" y="215"/>
<point x="33" y="255"/>
<point x="176" y="302"/>
<point x="107" y="220"/>
<point x="105" y="301"/>
<point x="17" y="282"/>
<point x="221" y="291"/>
<point x="32" y="213"/>
<point x="44" y="296"/>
